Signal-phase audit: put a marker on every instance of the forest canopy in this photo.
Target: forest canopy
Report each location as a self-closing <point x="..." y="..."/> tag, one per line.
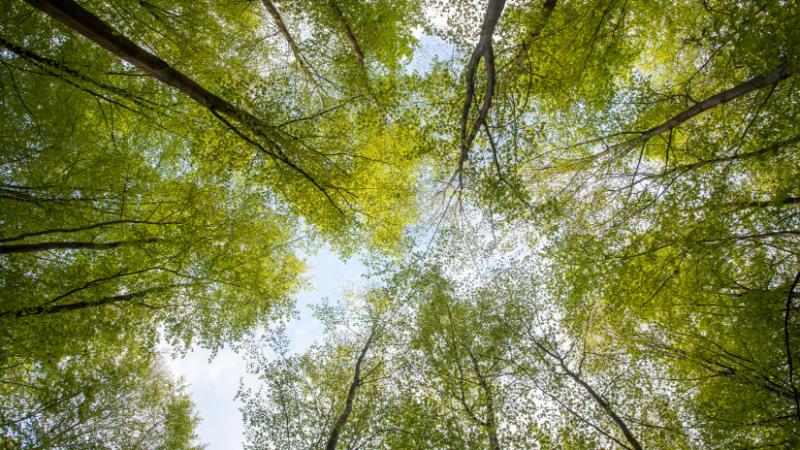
<point x="582" y="225"/>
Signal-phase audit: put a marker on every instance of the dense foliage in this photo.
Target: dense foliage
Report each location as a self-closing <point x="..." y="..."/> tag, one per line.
<point x="583" y="224"/>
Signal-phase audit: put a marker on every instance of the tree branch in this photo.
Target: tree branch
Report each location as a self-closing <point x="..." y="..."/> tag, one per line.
<point x="599" y="399"/>
<point x="483" y="50"/>
<point x="787" y="341"/>
<point x="333" y="437"/>
<point x="767" y="79"/>
<point x="84" y="228"/>
<point x="298" y="54"/>
<point x="351" y="38"/>
<point x="55" y="309"/>
<point x="92" y="27"/>
<point x="45" y="246"/>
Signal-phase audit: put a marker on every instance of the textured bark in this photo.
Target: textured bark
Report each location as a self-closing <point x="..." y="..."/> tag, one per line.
<point x="45" y="246"/>
<point x="333" y="436"/>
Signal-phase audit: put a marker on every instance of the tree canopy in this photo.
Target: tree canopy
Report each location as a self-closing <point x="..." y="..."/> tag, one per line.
<point x="582" y="225"/>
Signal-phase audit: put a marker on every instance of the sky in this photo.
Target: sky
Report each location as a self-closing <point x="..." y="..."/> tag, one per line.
<point x="212" y="383"/>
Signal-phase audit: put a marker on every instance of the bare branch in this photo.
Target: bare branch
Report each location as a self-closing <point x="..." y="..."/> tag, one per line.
<point x="483" y="50"/>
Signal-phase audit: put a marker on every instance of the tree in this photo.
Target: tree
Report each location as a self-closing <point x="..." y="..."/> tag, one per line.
<point x="117" y="185"/>
<point x="505" y="365"/>
<point x="467" y="366"/>
<point x="159" y="185"/>
<point x="646" y="164"/>
<point x="610" y="256"/>
<point x="335" y="179"/>
<point x="327" y="397"/>
<point x="110" y="398"/>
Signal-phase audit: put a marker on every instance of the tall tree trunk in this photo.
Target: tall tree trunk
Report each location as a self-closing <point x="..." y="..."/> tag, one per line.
<point x="45" y="246"/>
<point x="84" y="22"/>
<point x="483" y="50"/>
<point x="333" y="436"/>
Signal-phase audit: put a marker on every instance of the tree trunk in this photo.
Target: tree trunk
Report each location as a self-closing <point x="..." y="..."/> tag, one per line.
<point x="333" y="437"/>
<point x="599" y="399"/>
<point x="490" y="424"/>
<point x="607" y="409"/>
<point x="491" y="419"/>
<point x="485" y="50"/>
<point x="84" y="22"/>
